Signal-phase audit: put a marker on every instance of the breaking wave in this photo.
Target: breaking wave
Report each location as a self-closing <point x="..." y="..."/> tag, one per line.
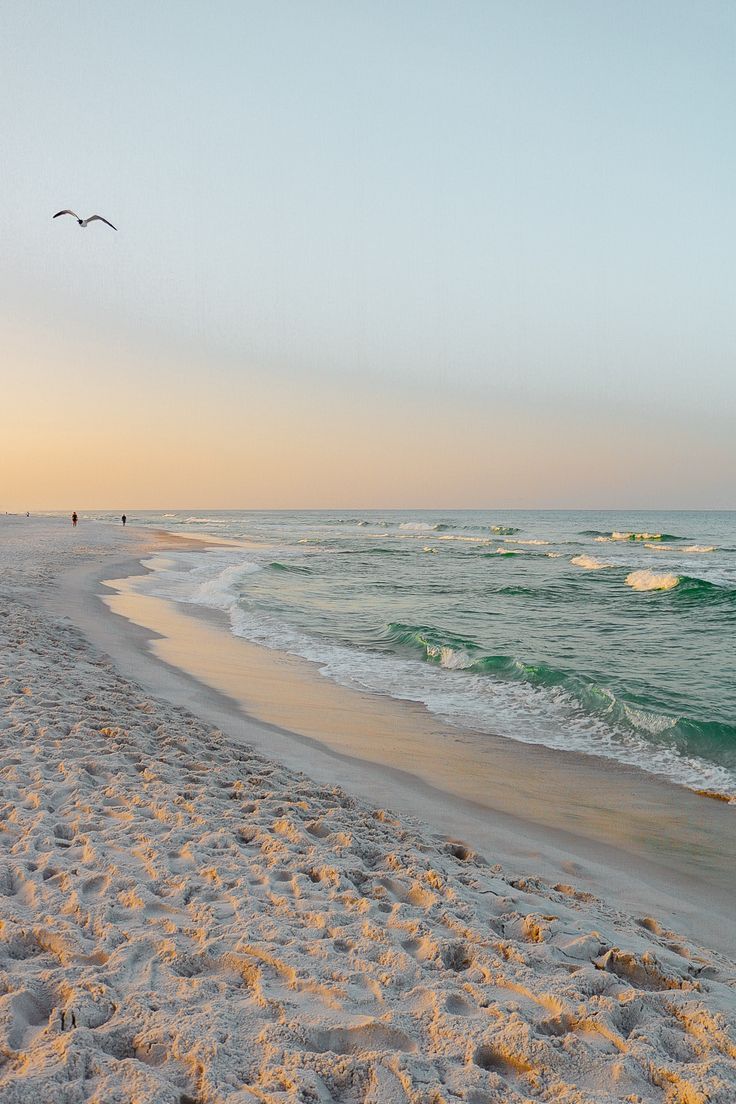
<point x="503" y="552"/>
<point x="626" y="536"/>
<point x="650" y="580"/>
<point x="590" y="563"/>
<point x="634" y="663"/>
<point x="687" y="586"/>
<point x="690" y="736"/>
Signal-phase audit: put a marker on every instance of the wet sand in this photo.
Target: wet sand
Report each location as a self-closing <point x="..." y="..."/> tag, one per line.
<point x="186" y="917"/>
<point x="652" y="843"/>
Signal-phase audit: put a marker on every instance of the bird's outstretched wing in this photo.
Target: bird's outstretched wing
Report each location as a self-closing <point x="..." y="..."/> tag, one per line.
<point x="75" y="215"/>
<point x="101" y="219"/>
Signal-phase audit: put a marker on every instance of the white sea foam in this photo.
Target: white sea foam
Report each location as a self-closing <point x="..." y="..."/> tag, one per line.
<point x="590" y="563"/>
<point x="212" y="580"/>
<point x="653" y="723"/>
<point x="515" y="540"/>
<point x="512" y="707"/>
<point x="221" y="591"/>
<point x="515" y="708"/>
<point x="677" y="549"/>
<point x="466" y="540"/>
<point x="449" y="658"/>
<point x="650" y="580"/>
<point x="629" y="537"/>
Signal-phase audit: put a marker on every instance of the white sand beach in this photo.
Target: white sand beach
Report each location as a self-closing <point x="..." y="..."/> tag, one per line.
<point x="185" y="919"/>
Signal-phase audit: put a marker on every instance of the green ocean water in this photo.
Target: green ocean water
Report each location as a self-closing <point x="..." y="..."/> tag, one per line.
<point x="610" y="633"/>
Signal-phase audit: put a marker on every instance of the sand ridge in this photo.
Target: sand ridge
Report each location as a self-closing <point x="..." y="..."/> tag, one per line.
<point x="184" y="922"/>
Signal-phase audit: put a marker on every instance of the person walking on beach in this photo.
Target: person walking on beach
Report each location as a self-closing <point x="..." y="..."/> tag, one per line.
<point x="123" y="519"/>
<point x="74" y="519"/>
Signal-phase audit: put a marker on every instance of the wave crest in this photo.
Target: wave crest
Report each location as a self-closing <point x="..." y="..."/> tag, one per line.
<point x="292" y="569"/>
<point x="651" y="580"/>
<point x="695" y="736"/>
<point x="590" y="563"/>
<point x="687" y="587"/>
<point x="601" y="537"/>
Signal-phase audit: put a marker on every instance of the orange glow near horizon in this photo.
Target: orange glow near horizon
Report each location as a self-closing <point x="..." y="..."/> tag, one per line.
<point x="153" y="435"/>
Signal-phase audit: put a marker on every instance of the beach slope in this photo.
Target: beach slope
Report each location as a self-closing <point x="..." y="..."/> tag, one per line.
<point x="183" y="920"/>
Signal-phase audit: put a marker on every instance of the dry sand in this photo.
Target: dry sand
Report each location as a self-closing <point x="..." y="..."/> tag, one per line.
<point x="183" y="920"/>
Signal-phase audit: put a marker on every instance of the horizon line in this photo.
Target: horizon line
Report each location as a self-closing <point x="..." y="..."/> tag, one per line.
<point x="375" y="509"/>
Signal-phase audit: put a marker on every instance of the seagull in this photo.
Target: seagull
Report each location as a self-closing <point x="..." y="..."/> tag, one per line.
<point x="87" y="221"/>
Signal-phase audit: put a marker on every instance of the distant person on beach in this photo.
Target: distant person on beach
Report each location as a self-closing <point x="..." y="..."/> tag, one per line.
<point x="74" y="519"/>
<point x="124" y="519"/>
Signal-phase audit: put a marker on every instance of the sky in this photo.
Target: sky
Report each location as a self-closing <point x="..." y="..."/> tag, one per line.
<point x="375" y="254"/>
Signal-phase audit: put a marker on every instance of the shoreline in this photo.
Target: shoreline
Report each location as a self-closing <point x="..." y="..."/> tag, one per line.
<point x="185" y="919"/>
<point x="521" y="800"/>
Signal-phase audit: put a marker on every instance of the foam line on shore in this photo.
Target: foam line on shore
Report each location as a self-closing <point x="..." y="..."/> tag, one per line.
<point x="182" y="918"/>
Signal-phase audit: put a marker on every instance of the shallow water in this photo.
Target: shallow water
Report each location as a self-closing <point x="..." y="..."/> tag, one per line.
<point x="612" y="633"/>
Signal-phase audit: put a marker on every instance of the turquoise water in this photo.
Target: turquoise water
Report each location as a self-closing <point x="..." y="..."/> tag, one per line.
<point x="611" y="633"/>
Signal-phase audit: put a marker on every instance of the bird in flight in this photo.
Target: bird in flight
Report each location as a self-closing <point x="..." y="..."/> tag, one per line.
<point x="87" y="221"/>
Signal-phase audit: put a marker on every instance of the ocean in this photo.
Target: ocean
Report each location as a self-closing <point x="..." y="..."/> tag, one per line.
<point x="611" y="633"/>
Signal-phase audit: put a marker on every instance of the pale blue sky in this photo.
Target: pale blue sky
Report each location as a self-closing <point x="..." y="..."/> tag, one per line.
<point x="513" y="214"/>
